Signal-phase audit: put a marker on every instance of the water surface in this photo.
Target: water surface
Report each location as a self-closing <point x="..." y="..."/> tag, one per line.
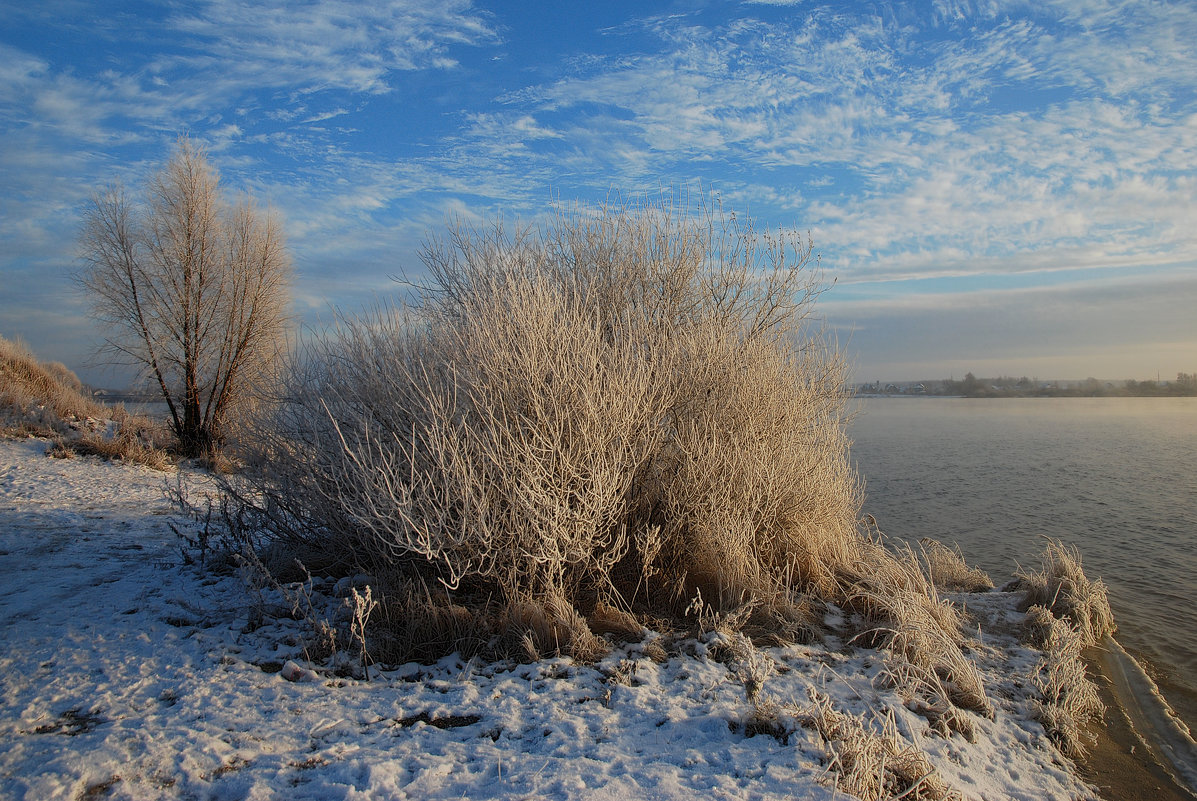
<point x="1114" y="476"/>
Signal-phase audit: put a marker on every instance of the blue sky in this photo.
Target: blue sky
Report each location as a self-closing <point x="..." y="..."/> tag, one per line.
<point x="1002" y="187"/>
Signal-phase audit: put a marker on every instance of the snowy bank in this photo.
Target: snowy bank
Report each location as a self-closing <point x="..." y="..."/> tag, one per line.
<point x="124" y="674"/>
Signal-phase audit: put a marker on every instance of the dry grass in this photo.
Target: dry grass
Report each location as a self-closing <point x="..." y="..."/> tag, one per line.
<point x="870" y="764"/>
<point x="948" y="571"/>
<point x="627" y="409"/>
<point x="420" y="624"/>
<point x="128" y="445"/>
<point x="907" y="617"/>
<point x="552" y="627"/>
<point x="414" y="623"/>
<point x="1062" y="586"/>
<point x="748" y="666"/>
<point x="621" y="626"/>
<point x="890" y="585"/>
<point x="1069" y="700"/>
<point x="47" y="400"/>
<point x="38" y="394"/>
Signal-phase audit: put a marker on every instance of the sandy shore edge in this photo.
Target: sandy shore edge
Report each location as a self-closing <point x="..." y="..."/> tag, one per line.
<point x="1120" y="764"/>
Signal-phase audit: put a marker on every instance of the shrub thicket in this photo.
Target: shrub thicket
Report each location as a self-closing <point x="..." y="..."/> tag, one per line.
<point x="627" y="408"/>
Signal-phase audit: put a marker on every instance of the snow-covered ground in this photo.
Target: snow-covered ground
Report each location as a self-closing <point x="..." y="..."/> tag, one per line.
<point x="125" y="674"/>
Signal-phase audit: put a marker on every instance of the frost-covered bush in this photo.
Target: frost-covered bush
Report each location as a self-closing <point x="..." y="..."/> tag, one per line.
<point x="628" y="407"/>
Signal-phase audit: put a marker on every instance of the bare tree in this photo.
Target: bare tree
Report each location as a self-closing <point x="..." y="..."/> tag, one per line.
<point x="194" y="289"/>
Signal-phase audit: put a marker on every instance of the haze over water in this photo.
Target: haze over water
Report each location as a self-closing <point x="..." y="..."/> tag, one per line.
<point x="1113" y="476"/>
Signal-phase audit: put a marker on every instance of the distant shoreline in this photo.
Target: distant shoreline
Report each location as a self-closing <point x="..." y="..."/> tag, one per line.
<point x="970" y="386"/>
<point x="110" y="396"/>
<point x="1003" y="396"/>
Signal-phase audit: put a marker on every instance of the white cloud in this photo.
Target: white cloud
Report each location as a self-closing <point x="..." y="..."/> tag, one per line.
<point x="18" y="70"/>
<point x="314" y="46"/>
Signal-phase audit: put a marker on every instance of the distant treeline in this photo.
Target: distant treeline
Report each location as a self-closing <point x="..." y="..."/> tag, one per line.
<point x="970" y="386"/>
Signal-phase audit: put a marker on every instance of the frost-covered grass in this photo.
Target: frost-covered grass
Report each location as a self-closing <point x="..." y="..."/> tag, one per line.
<point x="1070" y="701"/>
<point x="948" y="571"/>
<point x="1063" y="588"/>
<point x="39" y="394"/>
<point x="125" y="674"/>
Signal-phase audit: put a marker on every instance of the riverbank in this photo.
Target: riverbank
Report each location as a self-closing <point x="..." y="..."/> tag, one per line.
<point x="1132" y="758"/>
<point x="125" y="674"/>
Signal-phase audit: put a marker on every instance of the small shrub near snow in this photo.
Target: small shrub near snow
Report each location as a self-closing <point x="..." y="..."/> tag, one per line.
<point x="1062" y="587"/>
<point x="1069" y="700"/>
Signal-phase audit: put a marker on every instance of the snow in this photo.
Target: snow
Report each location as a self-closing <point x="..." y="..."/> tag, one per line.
<point x="126" y="674"/>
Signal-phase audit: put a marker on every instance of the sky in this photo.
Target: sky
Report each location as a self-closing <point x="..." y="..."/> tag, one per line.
<point x="1007" y="188"/>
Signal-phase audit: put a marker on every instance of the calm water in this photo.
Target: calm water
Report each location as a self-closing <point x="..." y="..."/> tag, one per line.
<point x="1115" y="477"/>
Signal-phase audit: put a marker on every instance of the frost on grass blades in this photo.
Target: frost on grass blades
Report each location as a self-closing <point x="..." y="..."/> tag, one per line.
<point x="1066" y="611"/>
